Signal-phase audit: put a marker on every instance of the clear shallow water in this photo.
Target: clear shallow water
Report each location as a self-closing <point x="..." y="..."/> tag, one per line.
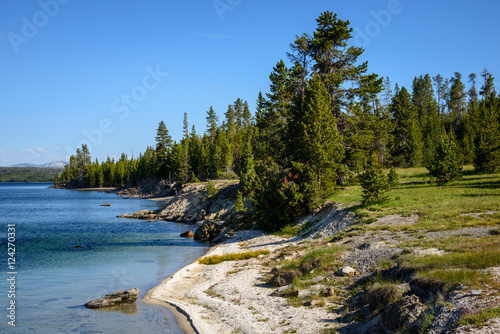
<point x="54" y="279"/>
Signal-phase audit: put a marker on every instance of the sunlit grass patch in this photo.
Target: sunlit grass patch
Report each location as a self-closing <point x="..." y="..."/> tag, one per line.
<point x="472" y="259"/>
<point x="292" y="230"/>
<point x="438" y="207"/>
<point x="214" y="259"/>
<point x="456" y="267"/>
<point x="456" y="243"/>
<point x="479" y="319"/>
<point x="469" y="277"/>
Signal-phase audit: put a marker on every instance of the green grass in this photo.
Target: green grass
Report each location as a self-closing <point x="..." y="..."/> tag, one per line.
<point x="329" y="257"/>
<point x="459" y="267"/>
<point x="292" y="230"/>
<point x="439" y="207"/>
<point x="471" y="278"/>
<point x="455" y="243"/>
<point x="472" y="259"/>
<point x="214" y="259"/>
<point x="479" y="319"/>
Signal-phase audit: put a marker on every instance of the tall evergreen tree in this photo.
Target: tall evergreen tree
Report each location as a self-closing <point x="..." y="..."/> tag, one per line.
<point x="487" y="139"/>
<point x="185" y="167"/>
<point x="472" y="89"/>
<point x="212" y="122"/>
<point x="456" y="105"/>
<point x="247" y="115"/>
<point x="428" y="116"/>
<point x="316" y="143"/>
<point x="406" y="149"/>
<point x="238" y="112"/>
<point x="274" y="114"/>
<point x="163" y="146"/>
<point x="336" y="62"/>
<point x="230" y="119"/>
<point x="387" y="92"/>
<point x="441" y="92"/>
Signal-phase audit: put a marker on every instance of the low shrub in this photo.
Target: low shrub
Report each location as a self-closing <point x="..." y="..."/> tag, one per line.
<point x="214" y="259"/>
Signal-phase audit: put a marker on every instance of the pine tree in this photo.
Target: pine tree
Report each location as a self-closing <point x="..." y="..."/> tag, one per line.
<point x="446" y="164"/>
<point x="487" y="141"/>
<point x="441" y="92"/>
<point x="456" y="105"/>
<point x="428" y="116"/>
<point x="261" y="111"/>
<point x="387" y="92"/>
<point x="238" y="206"/>
<point x="336" y="63"/>
<point x="248" y="176"/>
<point x="163" y="146"/>
<point x="316" y="143"/>
<point x="212" y="123"/>
<point x="238" y="113"/>
<point x="163" y="141"/>
<point x="274" y="114"/>
<point x="247" y="115"/>
<point x="185" y="167"/>
<point x="374" y="182"/>
<point x="406" y="147"/>
<point x="393" y="177"/>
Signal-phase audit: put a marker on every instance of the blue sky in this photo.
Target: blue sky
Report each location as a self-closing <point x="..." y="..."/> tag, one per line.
<point x="106" y="73"/>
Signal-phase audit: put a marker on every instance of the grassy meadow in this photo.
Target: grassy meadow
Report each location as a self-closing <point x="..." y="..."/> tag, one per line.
<point x="439" y="207"/>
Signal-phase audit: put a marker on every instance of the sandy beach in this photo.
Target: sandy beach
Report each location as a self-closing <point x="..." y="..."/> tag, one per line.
<point x="233" y="297"/>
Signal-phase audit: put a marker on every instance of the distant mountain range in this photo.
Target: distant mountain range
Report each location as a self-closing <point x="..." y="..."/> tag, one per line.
<point x="54" y="164"/>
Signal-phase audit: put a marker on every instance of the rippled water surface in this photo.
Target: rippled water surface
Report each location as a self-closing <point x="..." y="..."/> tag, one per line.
<point x="53" y="278"/>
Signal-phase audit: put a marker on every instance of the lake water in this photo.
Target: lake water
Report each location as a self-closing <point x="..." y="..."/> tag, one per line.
<point x="53" y="279"/>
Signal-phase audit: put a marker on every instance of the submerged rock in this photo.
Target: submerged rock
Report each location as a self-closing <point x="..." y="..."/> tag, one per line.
<point x="115" y="298"/>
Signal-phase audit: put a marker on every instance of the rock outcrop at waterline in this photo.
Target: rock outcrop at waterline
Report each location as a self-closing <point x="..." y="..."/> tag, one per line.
<point x="192" y="203"/>
<point x="114" y="299"/>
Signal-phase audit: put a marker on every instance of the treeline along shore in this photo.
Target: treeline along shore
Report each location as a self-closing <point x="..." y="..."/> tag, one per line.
<point x="320" y="126"/>
<point x="29" y="174"/>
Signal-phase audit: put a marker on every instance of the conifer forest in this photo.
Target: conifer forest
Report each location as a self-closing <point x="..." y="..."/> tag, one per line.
<point x="325" y="122"/>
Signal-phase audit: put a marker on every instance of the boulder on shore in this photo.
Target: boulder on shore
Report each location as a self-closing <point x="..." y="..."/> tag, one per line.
<point x="187" y="234"/>
<point x="348" y="271"/>
<point x="115" y="298"/>
<point x="207" y="231"/>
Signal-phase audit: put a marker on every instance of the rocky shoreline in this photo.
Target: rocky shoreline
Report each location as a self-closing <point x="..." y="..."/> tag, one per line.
<point x="193" y="203"/>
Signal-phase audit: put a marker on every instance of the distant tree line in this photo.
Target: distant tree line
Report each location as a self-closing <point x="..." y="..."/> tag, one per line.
<point x="28" y="174"/>
<point x="324" y="120"/>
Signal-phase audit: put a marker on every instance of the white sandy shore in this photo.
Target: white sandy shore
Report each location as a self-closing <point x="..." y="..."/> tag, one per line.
<point x="232" y="296"/>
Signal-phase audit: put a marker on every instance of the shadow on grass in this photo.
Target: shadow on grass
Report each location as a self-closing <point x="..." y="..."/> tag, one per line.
<point x="480" y="195"/>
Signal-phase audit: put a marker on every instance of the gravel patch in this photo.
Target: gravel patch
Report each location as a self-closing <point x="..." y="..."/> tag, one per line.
<point x="466" y="232"/>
